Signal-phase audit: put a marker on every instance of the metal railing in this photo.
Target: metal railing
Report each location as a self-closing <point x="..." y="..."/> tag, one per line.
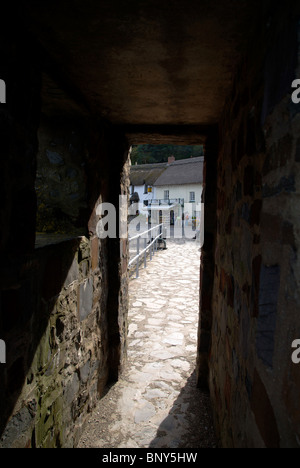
<point x="166" y="201"/>
<point x="150" y="244"/>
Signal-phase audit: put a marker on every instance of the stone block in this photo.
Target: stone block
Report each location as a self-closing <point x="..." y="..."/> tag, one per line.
<point x="73" y="273"/>
<point x="279" y="154"/>
<point x="95" y="253"/>
<point x="84" y="250"/>
<point x="71" y="390"/>
<point x="18" y="430"/>
<point x="264" y="413"/>
<point x="55" y="158"/>
<point x="271" y="227"/>
<point x="266" y="322"/>
<point x="285" y="185"/>
<point x="86" y="291"/>
<point x="92" y="223"/>
<point x="85" y="372"/>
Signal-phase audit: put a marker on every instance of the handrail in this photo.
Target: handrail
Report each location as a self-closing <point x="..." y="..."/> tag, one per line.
<point x="145" y="232"/>
<point x="150" y="246"/>
<point x="166" y="201"/>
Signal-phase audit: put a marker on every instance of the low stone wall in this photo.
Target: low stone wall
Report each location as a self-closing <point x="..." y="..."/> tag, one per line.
<point x="68" y="346"/>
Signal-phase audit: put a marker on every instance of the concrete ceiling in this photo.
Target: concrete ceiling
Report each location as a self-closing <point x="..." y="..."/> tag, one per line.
<point x="146" y="63"/>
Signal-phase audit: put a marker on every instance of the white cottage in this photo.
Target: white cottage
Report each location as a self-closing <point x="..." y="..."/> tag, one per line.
<point x="142" y="179"/>
<point x="168" y="192"/>
<point x="182" y="181"/>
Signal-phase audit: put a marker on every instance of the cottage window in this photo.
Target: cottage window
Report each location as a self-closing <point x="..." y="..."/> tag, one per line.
<point x="192" y="197"/>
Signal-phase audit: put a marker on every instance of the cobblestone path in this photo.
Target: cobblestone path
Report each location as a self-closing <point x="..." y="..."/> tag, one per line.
<point x="156" y="403"/>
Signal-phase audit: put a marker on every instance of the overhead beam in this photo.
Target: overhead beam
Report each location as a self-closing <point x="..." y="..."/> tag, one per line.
<point x="166" y="134"/>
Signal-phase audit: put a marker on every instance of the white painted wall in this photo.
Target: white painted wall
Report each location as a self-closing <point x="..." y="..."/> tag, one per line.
<point x="182" y="191"/>
<point x="143" y="196"/>
<point x="175" y="191"/>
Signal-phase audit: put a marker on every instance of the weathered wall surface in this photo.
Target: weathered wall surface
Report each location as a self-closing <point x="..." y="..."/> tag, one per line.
<point x="63" y="304"/>
<point x="207" y="266"/>
<point x="61" y="175"/>
<point x="255" y="304"/>
<point x="64" y="314"/>
<point x="66" y="339"/>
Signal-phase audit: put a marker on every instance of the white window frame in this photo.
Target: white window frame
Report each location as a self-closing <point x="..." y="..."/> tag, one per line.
<point x="192" y="197"/>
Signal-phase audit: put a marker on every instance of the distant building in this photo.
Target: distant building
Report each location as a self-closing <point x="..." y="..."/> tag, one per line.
<point x="182" y="180"/>
<point x="169" y="192"/>
<point x="142" y="179"/>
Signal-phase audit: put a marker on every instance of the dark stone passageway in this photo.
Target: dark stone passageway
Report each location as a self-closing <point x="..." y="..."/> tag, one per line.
<point x="85" y="81"/>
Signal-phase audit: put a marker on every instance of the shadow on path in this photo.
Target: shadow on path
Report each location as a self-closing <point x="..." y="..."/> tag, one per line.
<point x="189" y="423"/>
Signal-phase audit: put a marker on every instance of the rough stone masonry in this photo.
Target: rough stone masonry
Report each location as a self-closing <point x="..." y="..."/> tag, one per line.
<point x="253" y="308"/>
<point x="84" y="81"/>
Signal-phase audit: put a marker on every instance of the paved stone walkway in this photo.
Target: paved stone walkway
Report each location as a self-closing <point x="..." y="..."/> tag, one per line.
<point x="156" y="403"/>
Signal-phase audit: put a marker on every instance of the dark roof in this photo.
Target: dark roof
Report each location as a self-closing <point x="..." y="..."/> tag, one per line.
<point x="146" y="173"/>
<point x="184" y="171"/>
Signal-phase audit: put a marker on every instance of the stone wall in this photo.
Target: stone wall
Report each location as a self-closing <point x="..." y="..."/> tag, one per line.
<point x="255" y="304"/>
<point x="63" y="293"/>
<point x="64" y="313"/>
<point x="61" y="175"/>
<point x="65" y="340"/>
<point x="207" y="266"/>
